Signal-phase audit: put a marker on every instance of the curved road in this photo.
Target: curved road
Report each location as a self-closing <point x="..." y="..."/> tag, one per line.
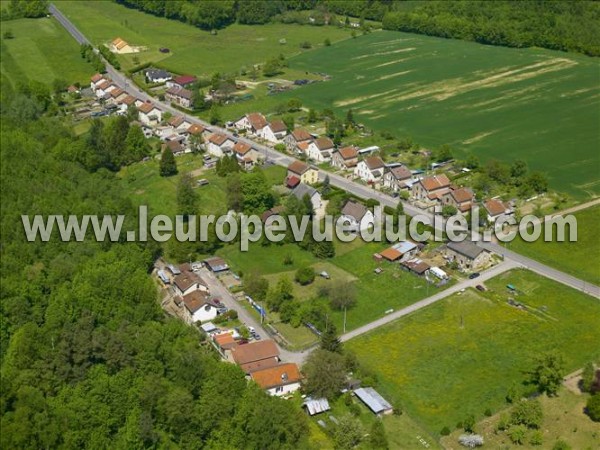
<point x="511" y="259"/>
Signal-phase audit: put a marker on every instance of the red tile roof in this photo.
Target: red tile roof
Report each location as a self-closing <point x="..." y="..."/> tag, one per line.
<point x="324" y="143"/>
<point x="218" y="138"/>
<point x="495" y="207"/>
<point x="241" y="148"/>
<point x="195" y="129"/>
<point x="348" y="152"/>
<point x="277" y="126"/>
<point x="255" y="351"/>
<point x="146" y="108"/>
<point x="257" y="120"/>
<point x="184" y="80"/>
<point x="300" y="134"/>
<point x="97" y="77"/>
<point x="298" y="167"/>
<point x="462" y="195"/>
<point x="292" y="181"/>
<point x="196" y="300"/>
<point x="280" y="375"/>
<point x="374" y="162"/>
<point x="435" y="182"/>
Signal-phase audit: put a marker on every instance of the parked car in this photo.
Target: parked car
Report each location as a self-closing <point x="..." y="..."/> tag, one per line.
<point x="251" y="330"/>
<point x="479" y="287"/>
<point x="473" y="276"/>
<point x="325" y="275"/>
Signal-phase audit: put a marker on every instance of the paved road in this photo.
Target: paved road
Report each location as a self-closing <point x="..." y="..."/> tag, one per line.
<point x="486" y="275"/>
<point x="222" y="293"/>
<point x="512" y="259"/>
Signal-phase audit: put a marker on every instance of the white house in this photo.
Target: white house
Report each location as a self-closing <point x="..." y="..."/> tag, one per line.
<point x="157" y="76"/>
<point x="247" y="157"/>
<point x="219" y="144"/>
<point x="179" y="123"/>
<point x="198" y="307"/>
<point x="149" y="114"/>
<point x="395" y="177"/>
<point x="274" y="132"/>
<point x="188" y="282"/>
<point x="96" y="80"/>
<point x="253" y="123"/>
<point x="296" y="137"/>
<point x="495" y="209"/>
<point x="370" y="169"/>
<point x="320" y="150"/>
<point x="315" y="198"/>
<point x="104" y="88"/>
<point x="182" y="81"/>
<point x="356" y="216"/>
<point x="279" y="380"/>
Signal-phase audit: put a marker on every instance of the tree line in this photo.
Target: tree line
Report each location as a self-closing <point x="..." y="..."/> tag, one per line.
<point x="556" y="25"/>
<point x="88" y="358"/>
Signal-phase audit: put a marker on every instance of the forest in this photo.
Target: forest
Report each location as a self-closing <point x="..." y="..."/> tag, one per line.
<point x="556" y="25"/>
<point x="88" y="358"/>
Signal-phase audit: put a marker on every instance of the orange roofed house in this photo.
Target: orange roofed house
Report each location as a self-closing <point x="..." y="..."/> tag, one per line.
<point x="345" y="158"/>
<point x="278" y="380"/>
<point x="253" y="123"/>
<point x="431" y="188"/>
<point x="254" y="356"/>
<point x="461" y="198"/>
<point x="298" y="140"/>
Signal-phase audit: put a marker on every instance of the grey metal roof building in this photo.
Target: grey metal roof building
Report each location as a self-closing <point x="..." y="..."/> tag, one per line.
<point x="373" y="400"/>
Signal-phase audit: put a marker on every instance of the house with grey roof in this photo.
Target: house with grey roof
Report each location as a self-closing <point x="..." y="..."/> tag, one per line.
<point x="467" y="254"/>
<point x="356" y="216"/>
<point x="304" y="189"/>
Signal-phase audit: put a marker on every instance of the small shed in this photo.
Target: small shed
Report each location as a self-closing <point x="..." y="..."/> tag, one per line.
<point x="375" y="402"/>
<point x="173" y="269"/>
<point x="208" y="327"/>
<point x="216" y="264"/>
<point x="316" y="406"/>
<point x="163" y="276"/>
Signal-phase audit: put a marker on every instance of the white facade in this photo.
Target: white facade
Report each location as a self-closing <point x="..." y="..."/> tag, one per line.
<point x="275" y="137"/>
<point x="317" y="155"/>
<point x="153" y="117"/>
<point x="354" y="225"/>
<point x="363" y="172"/>
<point x="219" y="150"/>
<point x="280" y="391"/>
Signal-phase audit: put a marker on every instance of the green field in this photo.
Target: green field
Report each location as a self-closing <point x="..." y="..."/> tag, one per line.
<point x="538" y="105"/>
<point x="580" y="258"/>
<point x="461" y="355"/>
<point x="41" y="50"/>
<point x="191" y="49"/>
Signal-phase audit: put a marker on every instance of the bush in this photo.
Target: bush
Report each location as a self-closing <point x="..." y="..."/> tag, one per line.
<point x="445" y="431"/>
<point x="305" y="44"/>
<point x="561" y="445"/>
<point x="593" y="407"/>
<point x="488" y="412"/>
<point x="528" y="413"/>
<point x="305" y="275"/>
<point x="536" y="438"/>
<point x="469" y="423"/>
<point x="517" y="434"/>
<point x="354" y="409"/>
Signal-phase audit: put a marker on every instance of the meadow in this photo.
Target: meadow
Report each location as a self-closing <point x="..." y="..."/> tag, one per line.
<point x="41" y="50"/>
<point x="580" y="258"/>
<point x="462" y="355"/>
<point x="495" y="102"/>
<point x="191" y="50"/>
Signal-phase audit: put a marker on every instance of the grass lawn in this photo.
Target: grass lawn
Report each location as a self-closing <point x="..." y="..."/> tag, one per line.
<point x="275" y="174"/>
<point x="580" y="258"/>
<point x="146" y="187"/>
<point x="42" y="50"/>
<point x="564" y="418"/>
<point x="461" y="355"/>
<point x="494" y="102"/>
<point x="191" y="49"/>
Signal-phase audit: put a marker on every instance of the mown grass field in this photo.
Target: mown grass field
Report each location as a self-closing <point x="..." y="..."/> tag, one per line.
<point x="461" y="355"/>
<point x="41" y="50"/>
<point x="580" y="258"/>
<point x="191" y="49"/>
<point x="495" y="102"/>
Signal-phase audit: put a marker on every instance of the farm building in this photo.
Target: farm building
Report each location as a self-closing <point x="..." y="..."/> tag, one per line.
<point x="374" y="401"/>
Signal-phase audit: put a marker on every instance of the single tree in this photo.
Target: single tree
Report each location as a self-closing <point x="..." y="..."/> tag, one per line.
<point x="327" y="42"/>
<point x="187" y="200"/>
<point x="377" y="437"/>
<point x="593" y="407"/>
<point x="330" y="340"/>
<point x="588" y="377"/>
<point x="347" y="433"/>
<point x="548" y="373"/>
<point x="167" y="166"/>
<point x="312" y="116"/>
<point x="325" y="374"/>
<point x="215" y="114"/>
<point x="326" y="187"/>
<point x="305" y="275"/>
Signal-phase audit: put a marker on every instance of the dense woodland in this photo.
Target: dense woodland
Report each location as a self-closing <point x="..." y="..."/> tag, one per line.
<point x="88" y="359"/>
<point x="557" y="25"/>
